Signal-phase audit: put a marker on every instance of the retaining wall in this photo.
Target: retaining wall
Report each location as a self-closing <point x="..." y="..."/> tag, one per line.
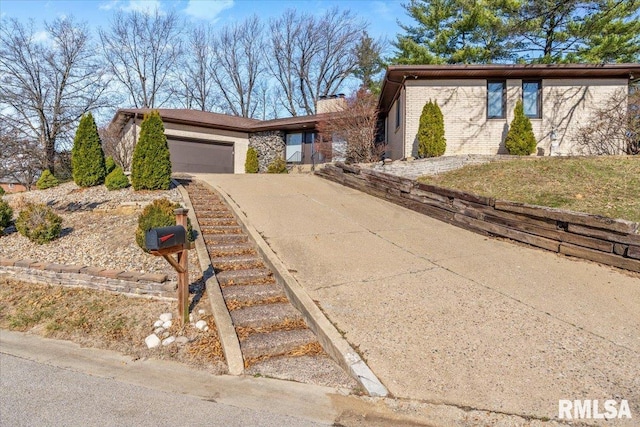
<point x="605" y="240"/>
<point x="130" y="283"/>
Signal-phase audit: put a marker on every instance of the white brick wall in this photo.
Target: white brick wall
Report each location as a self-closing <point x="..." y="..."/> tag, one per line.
<point x="396" y="135"/>
<point x="566" y="106"/>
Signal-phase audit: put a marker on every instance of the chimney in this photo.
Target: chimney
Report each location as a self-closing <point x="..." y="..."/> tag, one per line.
<point x="331" y="103"/>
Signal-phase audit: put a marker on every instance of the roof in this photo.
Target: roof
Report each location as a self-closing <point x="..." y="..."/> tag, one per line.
<point x="190" y="117"/>
<point x="397" y="74"/>
<point x="222" y="121"/>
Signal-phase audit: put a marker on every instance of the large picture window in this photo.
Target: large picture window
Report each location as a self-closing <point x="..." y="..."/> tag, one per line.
<point x="496" y="99"/>
<point x="532" y="98"/>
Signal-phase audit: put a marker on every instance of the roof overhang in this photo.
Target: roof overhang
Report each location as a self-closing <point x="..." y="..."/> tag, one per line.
<point x="397" y="74"/>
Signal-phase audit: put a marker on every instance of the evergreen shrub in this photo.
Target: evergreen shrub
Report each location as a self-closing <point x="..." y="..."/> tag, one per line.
<point x="39" y="223"/>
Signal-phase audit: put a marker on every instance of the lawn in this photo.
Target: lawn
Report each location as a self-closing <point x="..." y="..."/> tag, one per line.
<point x="608" y="186"/>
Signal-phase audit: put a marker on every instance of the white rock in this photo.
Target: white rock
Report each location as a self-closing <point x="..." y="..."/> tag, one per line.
<point x="191" y="318"/>
<point x="201" y="324"/>
<point x="158" y="331"/>
<point x="165" y="317"/>
<point x="206" y="329"/>
<point x="201" y="311"/>
<point x="168" y="340"/>
<point x="158" y="323"/>
<point x="152" y="341"/>
<point x="167" y="324"/>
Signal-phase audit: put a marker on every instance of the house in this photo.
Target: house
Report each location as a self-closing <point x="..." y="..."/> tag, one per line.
<point x="204" y="142"/>
<point x="12" y="187"/>
<point x="477" y="102"/>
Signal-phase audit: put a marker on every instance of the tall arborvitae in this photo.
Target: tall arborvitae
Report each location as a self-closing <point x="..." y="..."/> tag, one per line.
<point x="431" y="140"/>
<point x="151" y="165"/>
<point x="87" y="157"/>
<point x="520" y="139"/>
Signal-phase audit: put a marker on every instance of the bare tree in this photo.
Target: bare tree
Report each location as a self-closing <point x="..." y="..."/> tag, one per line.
<point x="142" y="50"/>
<point x="238" y="52"/>
<point x="312" y="56"/>
<point x="613" y="129"/>
<point x="119" y="148"/>
<point x="197" y="86"/>
<point x="48" y="81"/>
<point x="21" y="160"/>
<point x="350" y="134"/>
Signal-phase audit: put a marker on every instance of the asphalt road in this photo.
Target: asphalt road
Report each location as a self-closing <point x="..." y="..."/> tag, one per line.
<point x="36" y="394"/>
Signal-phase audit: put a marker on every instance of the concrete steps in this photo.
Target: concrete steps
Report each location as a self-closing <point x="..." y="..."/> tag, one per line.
<point x="249" y="293"/>
<point x="265" y="316"/>
<point x="268" y="326"/>
<point x="275" y="343"/>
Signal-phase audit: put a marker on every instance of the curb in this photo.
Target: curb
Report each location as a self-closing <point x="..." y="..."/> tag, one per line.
<point x="226" y="331"/>
<point x="328" y="336"/>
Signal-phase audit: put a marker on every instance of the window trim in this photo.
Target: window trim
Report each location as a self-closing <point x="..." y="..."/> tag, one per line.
<point x="538" y="114"/>
<point x="504" y="99"/>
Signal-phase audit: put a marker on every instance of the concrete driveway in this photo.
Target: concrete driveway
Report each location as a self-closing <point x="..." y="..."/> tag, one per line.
<point x="444" y="315"/>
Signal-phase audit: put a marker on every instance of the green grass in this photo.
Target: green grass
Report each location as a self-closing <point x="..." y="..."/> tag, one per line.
<point x="608" y="186"/>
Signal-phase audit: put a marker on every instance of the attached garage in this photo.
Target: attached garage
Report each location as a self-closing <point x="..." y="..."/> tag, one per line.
<point x="197" y="156"/>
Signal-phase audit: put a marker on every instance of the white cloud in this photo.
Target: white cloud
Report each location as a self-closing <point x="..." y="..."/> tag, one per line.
<point x="207" y="9"/>
<point x="109" y="5"/>
<point x="41" y="37"/>
<point x="144" y="6"/>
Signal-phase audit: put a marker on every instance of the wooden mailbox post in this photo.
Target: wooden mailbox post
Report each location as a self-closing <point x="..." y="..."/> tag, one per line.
<point x="180" y="265"/>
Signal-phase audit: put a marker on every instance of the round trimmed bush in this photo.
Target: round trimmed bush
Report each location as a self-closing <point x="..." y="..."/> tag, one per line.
<point x="6" y="213"/>
<point x="116" y="180"/>
<point x="278" y="166"/>
<point x="47" y="180"/>
<point x="251" y="165"/>
<point x="1" y="192"/>
<point x="39" y="223"/>
<point x="158" y="214"/>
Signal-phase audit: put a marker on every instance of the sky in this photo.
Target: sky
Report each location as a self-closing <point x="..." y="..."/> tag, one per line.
<point x="381" y="16"/>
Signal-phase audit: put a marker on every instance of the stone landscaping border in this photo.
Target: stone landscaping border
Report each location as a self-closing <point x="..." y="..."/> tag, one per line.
<point x="125" y="282"/>
<point x="609" y="241"/>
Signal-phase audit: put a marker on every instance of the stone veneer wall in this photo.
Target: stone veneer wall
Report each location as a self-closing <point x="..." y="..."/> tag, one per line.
<point x="269" y="145"/>
<point x="126" y="282"/>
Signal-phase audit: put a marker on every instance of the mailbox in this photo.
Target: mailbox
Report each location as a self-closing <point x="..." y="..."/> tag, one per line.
<point x="165" y="237"/>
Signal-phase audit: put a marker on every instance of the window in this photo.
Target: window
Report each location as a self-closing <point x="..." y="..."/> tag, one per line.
<point x="293" y="152"/>
<point x="532" y="98"/>
<point x="398" y="115"/>
<point x="496" y="99"/>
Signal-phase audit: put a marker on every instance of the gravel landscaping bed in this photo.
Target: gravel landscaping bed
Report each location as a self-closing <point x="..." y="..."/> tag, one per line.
<point x="97" y="230"/>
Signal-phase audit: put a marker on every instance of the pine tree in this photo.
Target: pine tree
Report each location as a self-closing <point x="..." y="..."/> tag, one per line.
<point x="455" y="32"/>
<point x="151" y="165"/>
<point x="520" y="140"/>
<point x="431" y="140"/>
<point x="87" y="157"/>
